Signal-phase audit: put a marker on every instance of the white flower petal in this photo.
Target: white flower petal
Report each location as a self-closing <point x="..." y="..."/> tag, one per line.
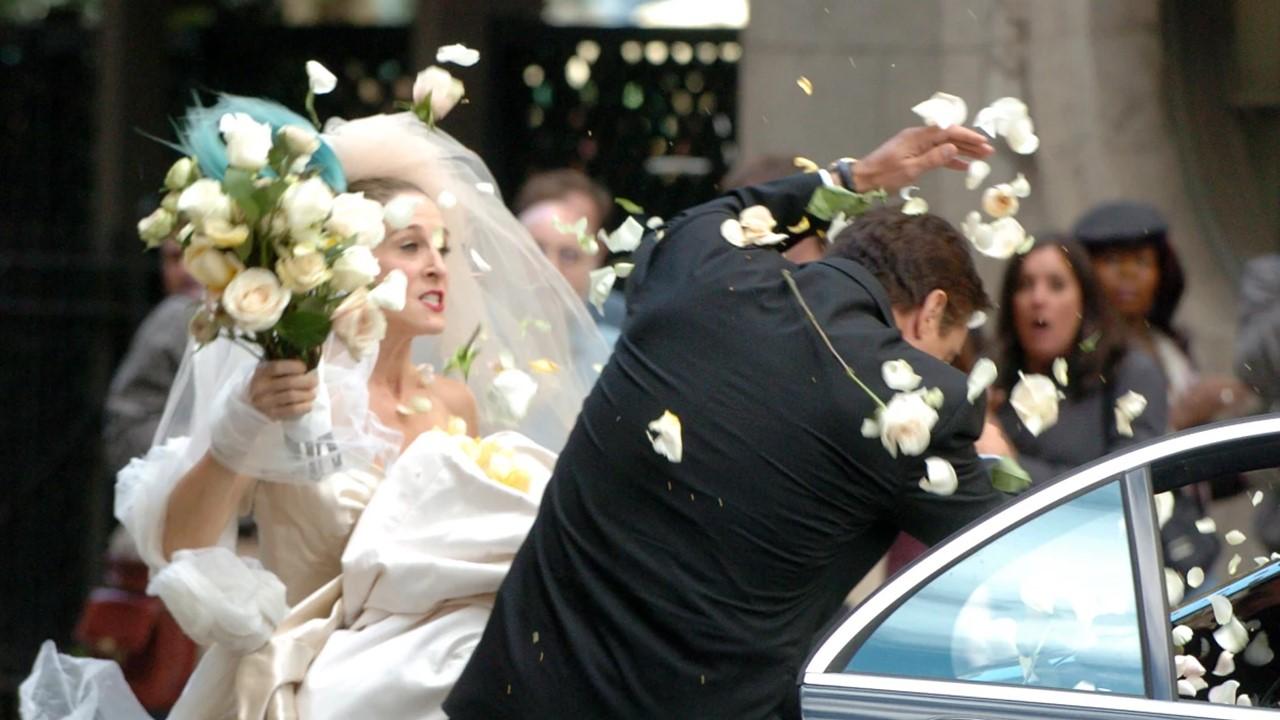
<point x="1182" y="635"/>
<point x="978" y="171"/>
<point x="1198" y="683"/>
<point x="479" y="263"/>
<point x="899" y="376"/>
<point x="600" y="284"/>
<point x="486" y="188"/>
<point x="1060" y="371"/>
<point x="624" y="269"/>
<point x="1232" y="636"/>
<point x="1259" y="653"/>
<point x="1021" y="186"/>
<point x="514" y="390"/>
<point x="1173" y="586"/>
<point x="390" y="293"/>
<point x="1222" y="610"/>
<point x="870" y="428"/>
<point x="626" y="237"/>
<point x="1185" y="689"/>
<point x="912" y="205"/>
<point x="1233" y="564"/>
<point x="1225" y="693"/>
<point x="1244" y="701"/>
<point x="940" y="477"/>
<point x="731" y="230"/>
<point x="1022" y="138"/>
<point x="1226" y="664"/>
<point x="458" y="55"/>
<point x="999" y="201"/>
<point x="666" y="435"/>
<point x="446" y="200"/>
<point x="1035" y="400"/>
<point x="399" y="212"/>
<point x="1084" y="685"/>
<point x="1206" y="526"/>
<point x="980" y="378"/>
<point x="976" y="320"/>
<point x="942" y="110"/>
<point x="1187" y="666"/>
<point x="1195" y="577"/>
<point x="320" y="79"/>
<point x="1234" y="537"/>
<point x="654" y="222"/>
<point x="1256" y="498"/>
<point x="1164" y="510"/>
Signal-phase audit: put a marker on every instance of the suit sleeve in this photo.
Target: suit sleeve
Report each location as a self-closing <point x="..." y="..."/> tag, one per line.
<point x="692" y="240"/>
<point x="930" y="517"/>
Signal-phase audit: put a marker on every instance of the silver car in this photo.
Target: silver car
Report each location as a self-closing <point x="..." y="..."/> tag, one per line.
<point x="1058" y="606"/>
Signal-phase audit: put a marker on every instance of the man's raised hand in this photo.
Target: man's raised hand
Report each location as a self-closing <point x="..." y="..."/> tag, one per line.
<point x="903" y="158"/>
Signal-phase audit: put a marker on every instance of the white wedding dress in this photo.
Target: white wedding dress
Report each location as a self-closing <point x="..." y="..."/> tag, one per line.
<point x="389" y="580"/>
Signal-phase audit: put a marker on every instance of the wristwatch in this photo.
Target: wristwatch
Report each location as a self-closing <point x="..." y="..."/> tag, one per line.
<point x="844" y="169"/>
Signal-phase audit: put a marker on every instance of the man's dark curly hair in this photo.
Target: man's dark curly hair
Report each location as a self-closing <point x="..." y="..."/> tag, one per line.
<point x="911" y="255"/>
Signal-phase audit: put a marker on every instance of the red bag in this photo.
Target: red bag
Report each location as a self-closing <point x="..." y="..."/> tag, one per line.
<point x="121" y="622"/>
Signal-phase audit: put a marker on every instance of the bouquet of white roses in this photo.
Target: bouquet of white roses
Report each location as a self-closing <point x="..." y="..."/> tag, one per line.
<point x="283" y="257"/>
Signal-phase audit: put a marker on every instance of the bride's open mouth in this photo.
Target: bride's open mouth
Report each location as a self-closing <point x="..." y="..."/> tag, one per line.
<point x="433" y="299"/>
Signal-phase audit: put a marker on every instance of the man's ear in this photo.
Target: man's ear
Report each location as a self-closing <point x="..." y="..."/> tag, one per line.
<point x="932" y="311"/>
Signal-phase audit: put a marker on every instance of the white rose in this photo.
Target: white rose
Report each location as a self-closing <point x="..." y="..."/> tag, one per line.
<point x="248" y="141"/>
<point x="298" y="141"/>
<point x="904" y="424"/>
<point x="306" y="204"/>
<point x="1128" y="407"/>
<point x="255" y="299"/>
<point x="355" y="268"/>
<point x="980" y="378"/>
<point x="181" y="174"/>
<point x="999" y="239"/>
<point x="1000" y="201"/>
<point x="319" y="79"/>
<point x="222" y="234"/>
<point x="898" y="375"/>
<point x="513" y="391"/>
<point x="757" y="226"/>
<point x="210" y="266"/>
<point x="1035" y="400"/>
<point x="445" y="90"/>
<point x="154" y="228"/>
<point x="940" y="477"/>
<point x="301" y="273"/>
<point x="358" y="324"/>
<point x="355" y="216"/>
<point x="203" y="201"/>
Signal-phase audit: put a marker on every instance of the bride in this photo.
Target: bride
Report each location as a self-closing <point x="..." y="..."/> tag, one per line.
<point x="380" y="552"/>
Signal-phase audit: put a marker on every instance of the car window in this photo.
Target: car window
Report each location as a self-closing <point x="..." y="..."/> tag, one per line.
<point x="1050" y="603"/>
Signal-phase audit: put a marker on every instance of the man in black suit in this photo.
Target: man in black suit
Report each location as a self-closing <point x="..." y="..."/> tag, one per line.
<point x="654" y="589"/>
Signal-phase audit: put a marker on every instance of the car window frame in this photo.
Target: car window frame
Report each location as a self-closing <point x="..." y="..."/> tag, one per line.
<point x="1133" y="469"/>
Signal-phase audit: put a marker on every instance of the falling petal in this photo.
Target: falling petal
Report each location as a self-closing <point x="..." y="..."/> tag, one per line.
<point x="421" y="404"/>
<point x="399" y="212"/>
<point x="1225" y="693"/>
<point x="1261" y="560"/>
<point x="626" y="237"/>
<point x="978" y="171"/>
<point x="1195" y="577"/>
<point x="933" y="398"/>
<point x="1185" y="689"/>
<point x="1206" y="525"/>
<point x="899" y="376"/>
<point x="870" y="428"/>
<point x="600" y="283"/>
<point x="1259" y="653"/>
<point x="1256" y="499"/>
<point x="402" y="409"/>
<point x="1234" y="537"/>
<point x="320" y="79"/>
<point x="390" y="293"/>
<point x="1182" y="635"/>
<point x="805" y="84"/>
<point x="446" y="200"/>
<point x="544" y="366"/>
<point x="1021" y="186"/>
<point x="486" y="188"/>
<point x="1232" y="636"/>
<point x="731" y="230"/>
<point x="1226" y="664"/>
<point x="940" y="477"/>
<point x="513" y="390"/>
<point x="666" y="436"/>
<point x="1187" y="666"/>
<point x="1173" y="587"/>
<point x="1198" y="683"/>
<point x="805" y="164"/>
<point x="838" y="223"/>
<point x="1233" y="564"/>
<point x="1035" y="401"/>
<point x="478" y="262"/>
<point x="913" y="205"/>
<point x="1084" y="685"/>
<point x="654" y="222"/>
<point x="598" y="367"/>
<point x="976" y="320"/>
<point x="801" y="227"/>
<point x="1164" y="511"/>
<point x="980" y="378"/>
<point x="1060" y="371"/>
<point x="1128" y="407"/>
<point x="1222" y="610"/>
<point x="458" y="55"/>
<point x="1244" y="701"/>
<point x="624" y="269"/>
<point x="942" y="110"/>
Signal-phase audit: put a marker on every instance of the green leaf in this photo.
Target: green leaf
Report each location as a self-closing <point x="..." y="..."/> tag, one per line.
<point x="303" y="329"/>
<point x="1090" y="343"/>
<point x="629" y="206"/>
<point x="423" y="111"/>
<point x="238" y="184"/>
<point x="244" y="249"/>
<point x="465" y="356"/>
<point x="829" y="201"/>
<point x="278" y="157"/>
<point x="1008" y="476"/>
<point x="268" y="197"/>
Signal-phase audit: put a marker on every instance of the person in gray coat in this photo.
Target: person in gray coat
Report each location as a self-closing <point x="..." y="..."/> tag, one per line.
<point x="1051" y="307"/>
<point x="1258" y="338"/>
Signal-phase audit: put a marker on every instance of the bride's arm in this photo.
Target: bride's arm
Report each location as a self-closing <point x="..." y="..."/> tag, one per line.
<point x="207" y="496"/>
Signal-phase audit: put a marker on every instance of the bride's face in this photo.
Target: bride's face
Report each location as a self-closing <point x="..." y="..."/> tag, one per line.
<point x="418" y="250"/>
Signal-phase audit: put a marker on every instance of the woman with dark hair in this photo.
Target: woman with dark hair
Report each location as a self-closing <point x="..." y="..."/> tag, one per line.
<point x="1051" y="307"/>
<point x="1142" y="281"/>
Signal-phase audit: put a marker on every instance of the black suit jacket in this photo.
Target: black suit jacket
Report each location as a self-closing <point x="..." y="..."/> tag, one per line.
<point x="651" y="589"/>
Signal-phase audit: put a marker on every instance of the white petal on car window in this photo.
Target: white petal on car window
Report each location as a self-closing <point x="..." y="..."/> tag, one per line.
<point x="1232" y="636"/>
<point x="1234" y="537"/>
<point x="1207" y="525"/>
<point x="1259" y="652"/>
<point x="1195" y="577"/>
<point x="1226" y="664"/>
<point x="1222" y="610"/>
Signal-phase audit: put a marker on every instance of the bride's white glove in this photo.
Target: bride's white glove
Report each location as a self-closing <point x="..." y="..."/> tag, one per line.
<point x="274" y="424"/>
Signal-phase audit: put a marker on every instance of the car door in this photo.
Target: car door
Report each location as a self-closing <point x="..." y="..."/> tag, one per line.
<point x="1054" y="607"/>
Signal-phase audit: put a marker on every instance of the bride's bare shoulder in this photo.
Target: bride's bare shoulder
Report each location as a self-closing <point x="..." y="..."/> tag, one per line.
<point x="457" y="398"/>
